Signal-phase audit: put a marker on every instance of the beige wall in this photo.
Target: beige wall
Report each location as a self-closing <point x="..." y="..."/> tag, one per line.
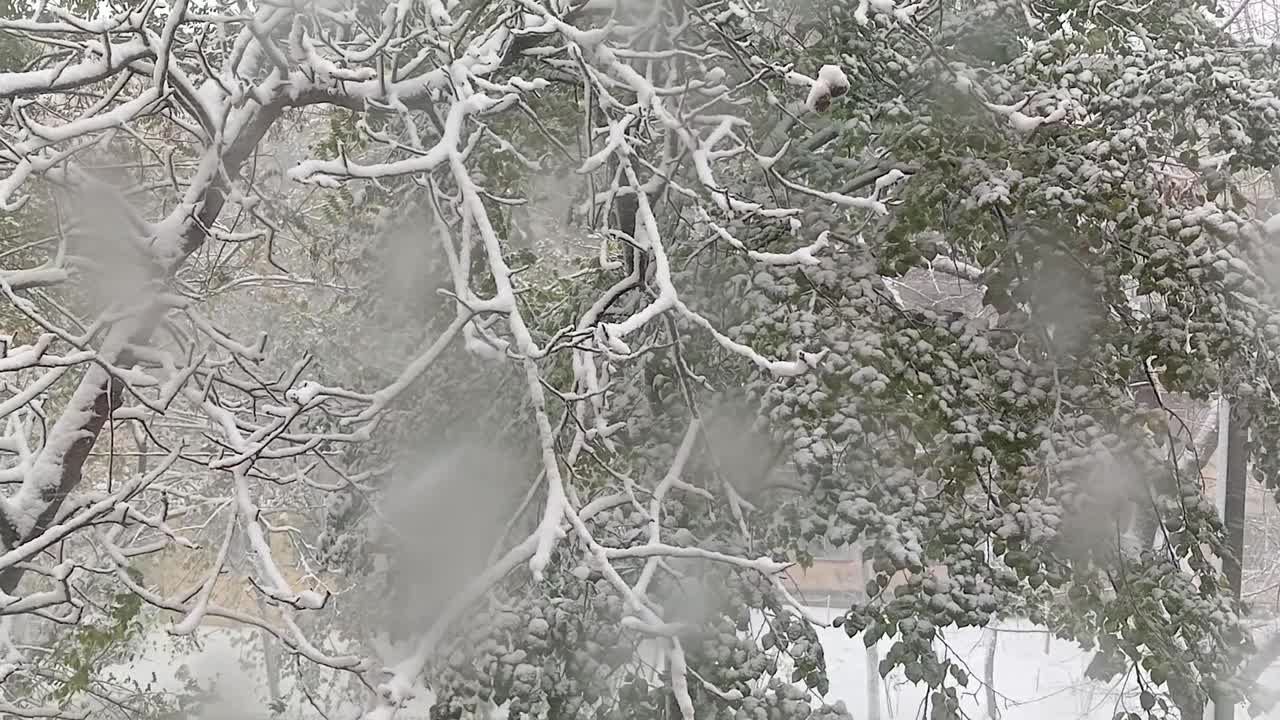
<point x="178" y="569"/>
<point x="838" y="577"/>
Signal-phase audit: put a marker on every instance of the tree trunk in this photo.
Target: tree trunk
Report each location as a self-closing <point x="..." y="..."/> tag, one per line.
<point x="92" y="403"/>
<point x="95" y="399"/>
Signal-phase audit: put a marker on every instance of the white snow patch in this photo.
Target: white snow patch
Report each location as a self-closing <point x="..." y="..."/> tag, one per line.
<point x="1037" y="677"/>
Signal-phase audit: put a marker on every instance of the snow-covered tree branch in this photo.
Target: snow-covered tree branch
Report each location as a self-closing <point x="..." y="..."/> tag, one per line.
<point x="659" y="240"/>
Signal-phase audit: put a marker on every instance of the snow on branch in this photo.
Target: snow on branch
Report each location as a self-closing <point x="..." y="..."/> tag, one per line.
<point x="201" y="104"/>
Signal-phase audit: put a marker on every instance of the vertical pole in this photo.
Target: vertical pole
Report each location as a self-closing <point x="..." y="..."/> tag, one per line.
<point x="1233" y="495"/>
<point x="873" y="666"/>
<point x="1220" y="479"/>
<point x="989" y="672"/>
<point x="1236" y="493"/>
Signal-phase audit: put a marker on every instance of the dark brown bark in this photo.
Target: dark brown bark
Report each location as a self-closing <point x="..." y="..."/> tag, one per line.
<point x="110" y="397"/>
<point x="210" y="207"/>
<point x="625" y="209"/>
<point x="72" y="470"/>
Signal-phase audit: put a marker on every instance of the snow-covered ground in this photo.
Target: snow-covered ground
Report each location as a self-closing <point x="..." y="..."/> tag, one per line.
<point x="227" y="665"/>
<point x="1036" y="677"/>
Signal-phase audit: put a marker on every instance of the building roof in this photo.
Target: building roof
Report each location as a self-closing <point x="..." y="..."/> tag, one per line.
<point x="939" y="291"/>
<point x="948" y="286"/>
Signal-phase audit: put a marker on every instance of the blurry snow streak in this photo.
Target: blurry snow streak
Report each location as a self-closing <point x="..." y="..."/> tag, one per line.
<point x="106" y="234"/>
<point x="446" y="509"/>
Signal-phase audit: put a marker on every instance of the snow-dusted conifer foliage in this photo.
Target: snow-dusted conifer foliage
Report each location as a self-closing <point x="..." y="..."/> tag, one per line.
<point x="726" y="377"/>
